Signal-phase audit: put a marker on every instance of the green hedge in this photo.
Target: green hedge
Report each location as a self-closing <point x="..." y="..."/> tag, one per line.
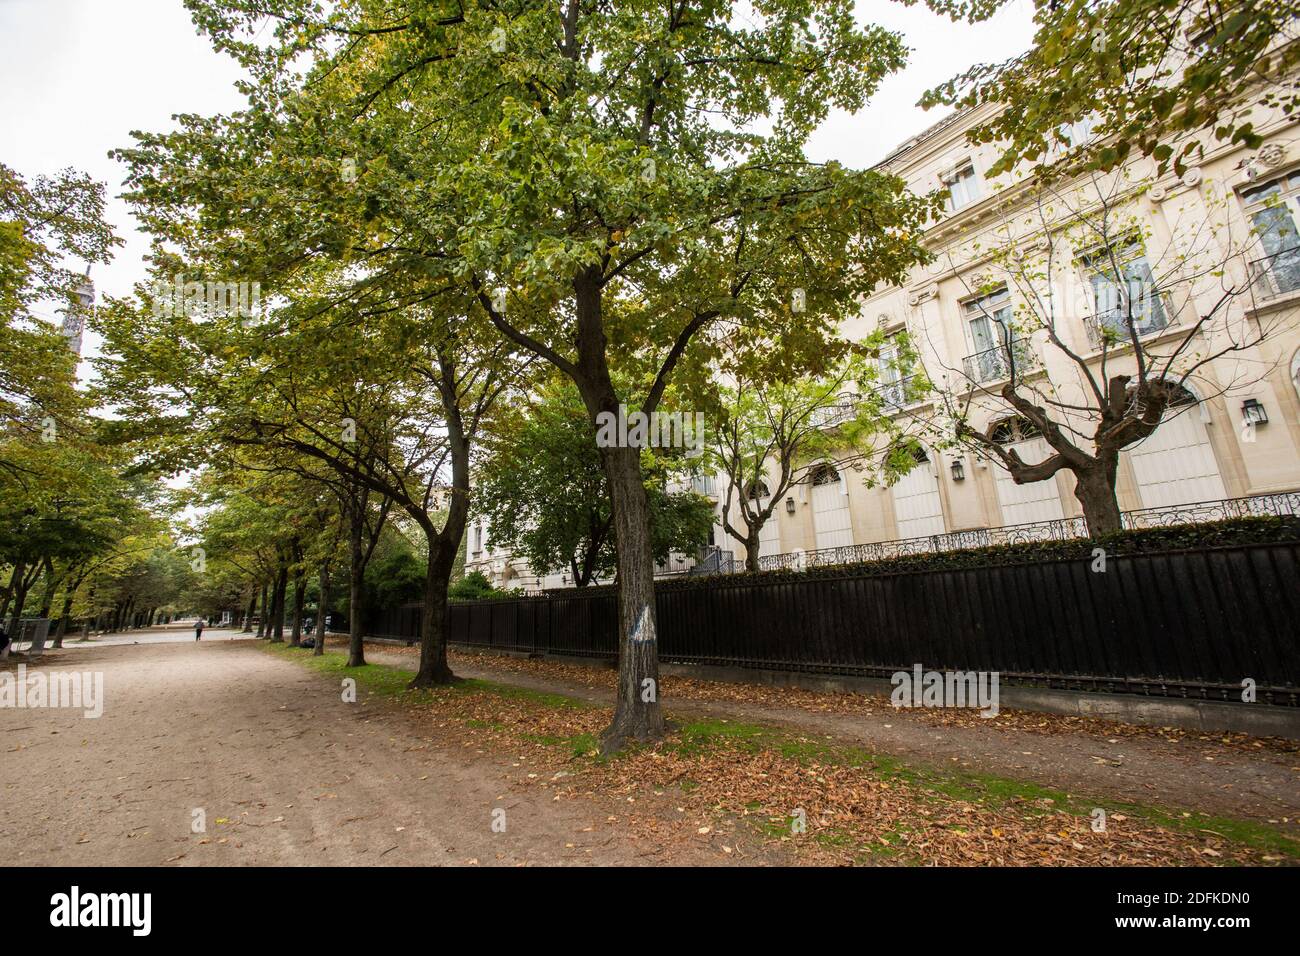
<point x="1218" y="534"/>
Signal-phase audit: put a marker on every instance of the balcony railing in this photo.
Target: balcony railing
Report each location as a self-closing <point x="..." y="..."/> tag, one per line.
<point x="710" y="560"/>
<point x="828" y="416"/>
<point x="898" y="395"/>
<point x="1111" y="328"/>
<point x="991" y="364"/>
<point x="702" y="484"/>
<point x="1277" y="274"/>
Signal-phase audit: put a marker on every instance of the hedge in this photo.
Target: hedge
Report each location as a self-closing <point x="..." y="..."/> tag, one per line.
<point x="1232" y="532"/>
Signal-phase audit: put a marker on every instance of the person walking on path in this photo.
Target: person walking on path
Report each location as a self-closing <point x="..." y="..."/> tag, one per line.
<point x="198" y="629"/>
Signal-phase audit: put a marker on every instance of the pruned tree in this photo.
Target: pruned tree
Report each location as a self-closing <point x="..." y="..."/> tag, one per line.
<point x="1140" y="322"/>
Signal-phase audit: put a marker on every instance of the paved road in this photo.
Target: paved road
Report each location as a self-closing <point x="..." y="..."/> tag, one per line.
<point x="282" y="770"/>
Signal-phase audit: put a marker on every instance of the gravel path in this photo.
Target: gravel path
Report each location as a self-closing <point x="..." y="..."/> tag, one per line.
<point x="282" y="769"/>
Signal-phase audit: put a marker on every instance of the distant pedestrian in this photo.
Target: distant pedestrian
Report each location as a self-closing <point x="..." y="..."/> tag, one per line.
<point x="198" y="629"/>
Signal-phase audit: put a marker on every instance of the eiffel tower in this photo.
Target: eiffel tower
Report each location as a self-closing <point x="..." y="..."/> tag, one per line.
<point x="74" y="318"/>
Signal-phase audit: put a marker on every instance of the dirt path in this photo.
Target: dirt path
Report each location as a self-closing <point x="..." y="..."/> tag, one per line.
<point x="283" y="770"/>
<point x="1190" y="774"/>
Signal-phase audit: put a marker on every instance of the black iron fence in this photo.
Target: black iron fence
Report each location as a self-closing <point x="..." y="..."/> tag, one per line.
<point x="1190" y="623"/>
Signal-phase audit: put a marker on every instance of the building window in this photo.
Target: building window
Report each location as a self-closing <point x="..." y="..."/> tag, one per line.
<point x="1072" y="136"/>
<point x="962" y="185"/>
<point x="988" y="323"/>
<point x="1124" y="294"/>
<point x="1008" y="431"/>
<point x="757" y="490"/>
<point x="1274" y="210"/>
<point x="893" y="384"/>
<point x="825" y="475"/>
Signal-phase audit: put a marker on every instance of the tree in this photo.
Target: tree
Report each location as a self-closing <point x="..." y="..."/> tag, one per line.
<point x="376" y="389"/>
<point x="61" y="506"/>
<point x="599" y="169"/>
<point x="1161" y="319"/>
<point x="776" y="434"/>
<point x="42" y="224"/>
<point x="1152" y="78"/>
<point x="475" y="586"/>
<point x="544" y="494"/>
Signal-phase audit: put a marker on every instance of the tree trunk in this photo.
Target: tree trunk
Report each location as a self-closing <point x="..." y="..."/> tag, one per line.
<point x="65" y="616"/>
<point x="277" y="605"/>
<point x="434" y="669"/>
<point x="20" y="598"/>
<point x="322" y="608"/>
<point x="637" y="712"/>
<point x="638" y="715"/>
<point x="15" y="579"/>
<point x="752" y="547"/>
<point x="252" y="610"/>
<point x="1095" y="491"/>
<point x="52" y="582"/>
<point x="299" y="597"/>
<point x="356" y="591"/>
<point x="265" y="616"/>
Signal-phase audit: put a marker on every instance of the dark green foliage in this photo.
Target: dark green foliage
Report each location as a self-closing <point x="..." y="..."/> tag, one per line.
<point x="394" y="579"/>
<point x="476" y="587"/>
<point x="1233" y="532"/>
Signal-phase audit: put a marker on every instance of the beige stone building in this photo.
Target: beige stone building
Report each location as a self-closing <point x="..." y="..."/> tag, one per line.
<point x="1226" y="224"/>
<point x="1219" y="240"/>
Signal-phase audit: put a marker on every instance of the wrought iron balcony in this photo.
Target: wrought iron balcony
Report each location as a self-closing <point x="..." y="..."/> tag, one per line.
<point x="991" y="364"/>
<point x="828" y="416"/>
<point x="1277" y="274"/>
<point x="896" y="396"/>
<point x="702" y="484"/>
<point x="1111" y="328"/>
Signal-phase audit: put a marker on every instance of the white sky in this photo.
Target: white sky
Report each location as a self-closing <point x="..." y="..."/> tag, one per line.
<point x="76" y="76"/>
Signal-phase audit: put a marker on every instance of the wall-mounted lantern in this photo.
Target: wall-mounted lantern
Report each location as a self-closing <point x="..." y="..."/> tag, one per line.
<point x="789" y="506"/>
<point x="958" y="470"/>
<point x="1253" y="413"/>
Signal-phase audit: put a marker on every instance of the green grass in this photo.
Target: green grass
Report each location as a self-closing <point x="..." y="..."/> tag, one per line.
<point x="388" y="681"/>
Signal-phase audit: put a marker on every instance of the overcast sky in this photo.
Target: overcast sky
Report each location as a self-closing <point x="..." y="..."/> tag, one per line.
<point x="76" y="76"/>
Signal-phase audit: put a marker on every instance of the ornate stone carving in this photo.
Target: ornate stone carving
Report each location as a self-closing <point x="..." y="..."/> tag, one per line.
<point x="1272" y="155"/>
<point x="924" y="294"/>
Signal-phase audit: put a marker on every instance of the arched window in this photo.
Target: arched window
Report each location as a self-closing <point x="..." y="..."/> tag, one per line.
<point x="824" y="474"/>
<point x="757" y="490"/>
<point x="1013" y="429"/>
<point x="1177" y="396"/>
